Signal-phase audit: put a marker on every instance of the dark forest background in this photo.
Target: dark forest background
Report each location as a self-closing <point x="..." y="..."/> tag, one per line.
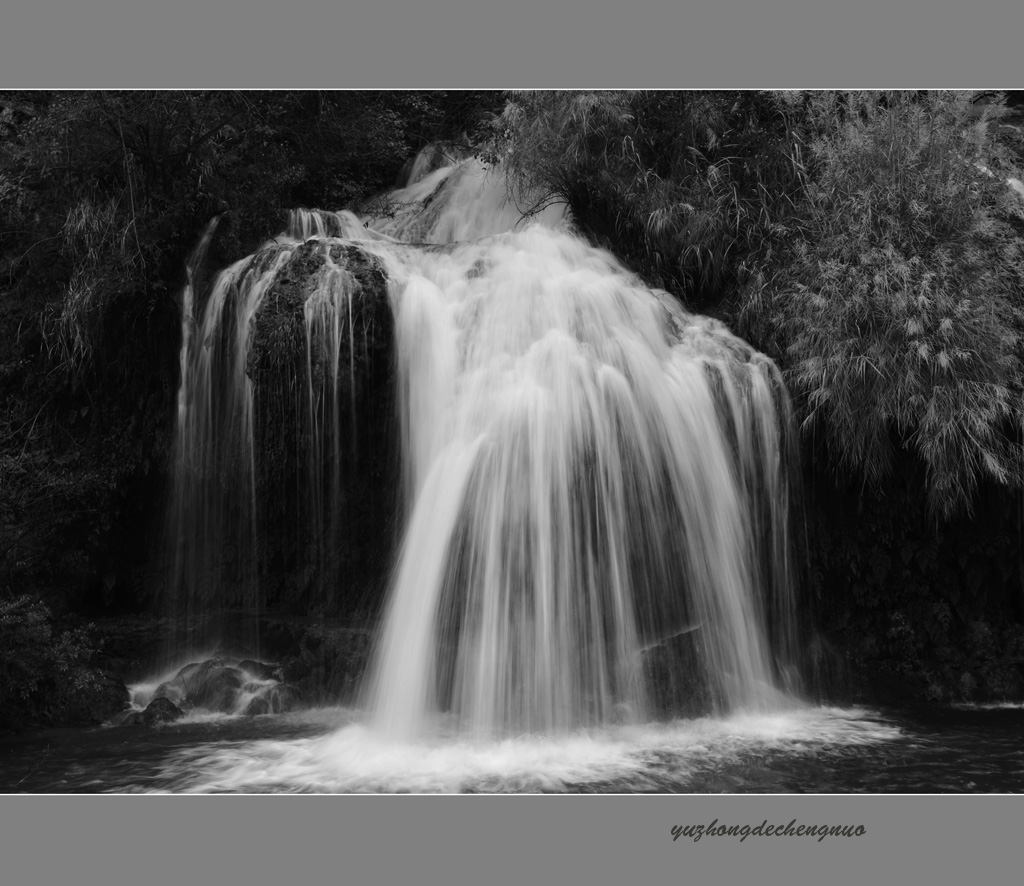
<point x="867" y="242"/>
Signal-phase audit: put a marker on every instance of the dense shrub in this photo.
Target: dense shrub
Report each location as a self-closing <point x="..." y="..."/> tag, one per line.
<point x="891" y="292"/>
<point x="43" y="675"/>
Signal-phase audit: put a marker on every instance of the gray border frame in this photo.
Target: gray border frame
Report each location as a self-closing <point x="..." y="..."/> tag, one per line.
<point x="232" y="44"/>
<point x="487" y="840"/>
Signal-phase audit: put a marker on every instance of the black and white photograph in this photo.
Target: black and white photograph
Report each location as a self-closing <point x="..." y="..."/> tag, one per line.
<point x="510" y="444"/>
<point x="512" y="441"/>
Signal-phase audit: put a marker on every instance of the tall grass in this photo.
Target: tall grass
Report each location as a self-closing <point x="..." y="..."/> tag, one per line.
<point x="893" y="291"/>
<point x="99" y="237"/>
<point x="860" y="238"/>
<point x="678" y="184"/>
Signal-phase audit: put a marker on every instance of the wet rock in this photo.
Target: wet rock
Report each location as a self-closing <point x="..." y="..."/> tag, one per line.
<point x="172" y="690"/>
<point x="218" y="689"/>
<point x="273" y="698"/>
<point x="257" y="706"/>
<point x="260" y="670"/>
<point x="160" y="710"/>
<point x="187" y="672"/>
<point x="281" y="697"/>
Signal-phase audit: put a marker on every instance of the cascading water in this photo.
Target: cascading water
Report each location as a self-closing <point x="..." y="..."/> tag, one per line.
<point x="590" y="474"/>
<point x="264" y="428"/>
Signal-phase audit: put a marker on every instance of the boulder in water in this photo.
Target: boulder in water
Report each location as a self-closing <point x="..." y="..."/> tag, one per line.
<point x="259" y="705"/>
<point x="171" y="690"/>
<point x="188" y="671"/>
<point x="217" y="689"/>
<point x="178" y="689"/>
<point x="159" y="710"/>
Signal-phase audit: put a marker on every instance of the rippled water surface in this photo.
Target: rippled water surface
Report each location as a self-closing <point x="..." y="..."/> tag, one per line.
<point x="807" y="750"/>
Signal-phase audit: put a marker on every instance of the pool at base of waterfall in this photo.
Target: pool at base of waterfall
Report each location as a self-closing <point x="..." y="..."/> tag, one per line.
<point x="963" y="749"/>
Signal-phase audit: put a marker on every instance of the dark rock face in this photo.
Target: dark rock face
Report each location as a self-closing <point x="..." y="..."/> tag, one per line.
<point x="324" y="662"/>
<point x="300" y="518"/>
<point x="349" y="492"/>
<point x="675" y="672"/>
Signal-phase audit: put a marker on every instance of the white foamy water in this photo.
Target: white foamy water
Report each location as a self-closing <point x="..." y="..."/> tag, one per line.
<point x="358" y="758"/>
<point x="588" y="468"/>
<point x="458" y="202"/>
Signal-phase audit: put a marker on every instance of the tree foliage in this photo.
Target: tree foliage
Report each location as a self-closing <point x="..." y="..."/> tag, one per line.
<point x="42" y="673"/>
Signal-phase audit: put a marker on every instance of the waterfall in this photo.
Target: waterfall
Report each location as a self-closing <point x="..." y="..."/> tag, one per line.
<point x="590" y="475"/>
<point x="263" y="425"/>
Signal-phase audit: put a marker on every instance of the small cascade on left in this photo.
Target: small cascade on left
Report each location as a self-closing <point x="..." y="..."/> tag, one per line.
<point x="277" y="356"/>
